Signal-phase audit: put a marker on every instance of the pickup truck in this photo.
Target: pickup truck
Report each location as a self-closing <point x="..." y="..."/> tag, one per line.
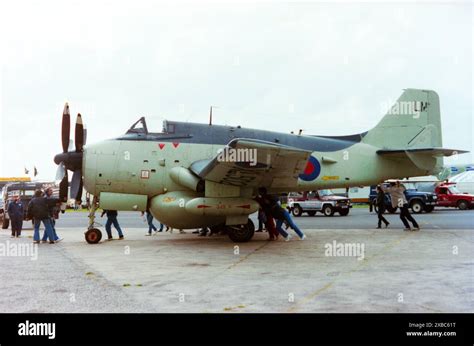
<point x="449" y="196"/>
<point x="418" y="201"/>
<point x="323" y="201"/>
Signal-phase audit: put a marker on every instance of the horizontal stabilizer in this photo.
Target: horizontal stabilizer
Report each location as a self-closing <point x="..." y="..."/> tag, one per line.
<point x="425" y="151"/>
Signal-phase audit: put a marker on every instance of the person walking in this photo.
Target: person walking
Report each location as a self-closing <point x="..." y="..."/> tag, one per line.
<point x="280" y="214"/>
<point x="397" y="195"/>
<point x="16" y="213"/>
<point x="380" y="202"/>
<point x="38" y="210"/>
<point x="112" y="220"/>
<point x="151" y="226"/>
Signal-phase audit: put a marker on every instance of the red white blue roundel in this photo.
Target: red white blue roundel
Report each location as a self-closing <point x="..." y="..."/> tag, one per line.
<point x="312" y="170"/>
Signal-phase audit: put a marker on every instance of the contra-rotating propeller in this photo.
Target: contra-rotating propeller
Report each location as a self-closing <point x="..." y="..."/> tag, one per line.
<point x="70" y="160"/>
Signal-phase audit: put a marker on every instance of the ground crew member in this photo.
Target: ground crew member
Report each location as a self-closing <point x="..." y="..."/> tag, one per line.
<point x="16" y="212"/>
<point x="380" y="202"/>
<point x="397" y="195"/>
<point x="53" y="214"/>
<point x="38" y="210"/>
<point x="112" y="220"/>
<point x="280" y="214"/>
<point x="267" y="218"/>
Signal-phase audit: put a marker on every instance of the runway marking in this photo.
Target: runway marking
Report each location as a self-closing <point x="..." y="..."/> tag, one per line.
<point x="319" y="291"/>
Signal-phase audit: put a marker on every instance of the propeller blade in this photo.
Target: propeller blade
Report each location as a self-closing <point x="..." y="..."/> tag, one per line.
<point x="63" y="186"/>
<point x="60" y="172"/>
<point x="79" y="133"/>
<point x="85" y="135"/>
<point x="79" y="193"/>
<point x="65" y="128"/>
<point x="76" y="184"/>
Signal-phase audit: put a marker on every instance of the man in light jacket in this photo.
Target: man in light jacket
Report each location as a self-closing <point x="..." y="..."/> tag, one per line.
<point x="397" y="195"/>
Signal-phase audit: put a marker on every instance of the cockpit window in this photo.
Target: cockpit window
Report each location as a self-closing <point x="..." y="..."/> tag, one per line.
<point x="139" y="127"/>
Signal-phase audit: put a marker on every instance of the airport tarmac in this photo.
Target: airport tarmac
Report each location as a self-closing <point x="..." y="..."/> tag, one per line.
<point x="392" y="271"/>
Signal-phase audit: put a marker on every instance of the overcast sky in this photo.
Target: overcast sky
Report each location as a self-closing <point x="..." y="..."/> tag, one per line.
<point x="325" y="68"/>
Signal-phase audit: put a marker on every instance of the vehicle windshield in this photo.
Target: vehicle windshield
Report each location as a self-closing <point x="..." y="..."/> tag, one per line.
<point x="454" y="190"/>
<point x="325" y="192"/>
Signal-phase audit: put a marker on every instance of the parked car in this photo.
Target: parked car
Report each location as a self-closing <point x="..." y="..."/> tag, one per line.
<point x="450" y="196"/>
<point x="418" y="201"/>
<point x="323" y="201"/>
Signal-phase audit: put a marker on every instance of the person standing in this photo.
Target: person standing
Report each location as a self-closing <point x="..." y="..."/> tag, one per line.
<point x="16" y="212"/>
<point x="397" y="195"/>
<point x="38" y="210"/>
<point x="380" y="202"/>
<point x="280" y="214"/>
<point x="112" y="220"/>
<point x="261" y="219"/>
<point x="53" y="214"/>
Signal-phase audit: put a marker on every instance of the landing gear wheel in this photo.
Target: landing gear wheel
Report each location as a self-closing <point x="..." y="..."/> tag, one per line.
<point x="241" y="233"/>
<point x="93" y="236"/>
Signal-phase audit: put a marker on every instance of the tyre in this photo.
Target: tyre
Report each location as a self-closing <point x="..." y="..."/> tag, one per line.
<point x="417" y="206"/>
<point x="463" y="205"/>
<point x="297" y="211"/>
<point x="241" y="233"/>
<point x="93" y="236"/>
<point x="344" y="212"/>
<point x="429" y="208"/>
<point x="311" y="213"/>
<point x="328" y="210"/>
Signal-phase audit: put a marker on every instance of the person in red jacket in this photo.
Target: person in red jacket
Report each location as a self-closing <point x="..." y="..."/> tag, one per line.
<point x="269" y="221"/>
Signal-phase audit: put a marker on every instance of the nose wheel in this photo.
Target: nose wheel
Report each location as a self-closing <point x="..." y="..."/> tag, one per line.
<point x="93" y="235"/>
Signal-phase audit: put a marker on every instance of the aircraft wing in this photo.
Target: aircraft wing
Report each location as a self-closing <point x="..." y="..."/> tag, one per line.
<point x="254" y="163"/>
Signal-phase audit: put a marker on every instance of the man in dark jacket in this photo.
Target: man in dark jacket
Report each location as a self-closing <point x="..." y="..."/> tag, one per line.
<point x="112" y="220"/>
<point x="38" y="210"/>
<point x="16" y="212"/>
<point x="380" y="202"/>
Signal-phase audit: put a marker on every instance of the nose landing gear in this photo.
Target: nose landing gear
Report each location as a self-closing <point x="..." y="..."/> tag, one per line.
<point x="93" y="235"/>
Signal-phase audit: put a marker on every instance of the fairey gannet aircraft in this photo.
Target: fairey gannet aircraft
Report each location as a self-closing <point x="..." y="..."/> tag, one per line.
<point x="195" y="175"/>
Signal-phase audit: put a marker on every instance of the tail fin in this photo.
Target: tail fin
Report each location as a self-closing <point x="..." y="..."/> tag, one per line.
<point x="412" y="122"/>
<point x="412" y="129"/>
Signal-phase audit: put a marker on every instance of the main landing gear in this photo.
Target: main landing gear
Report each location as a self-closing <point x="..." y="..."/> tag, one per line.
<point x="241" y="233"/>
<point x="93" y="235"/>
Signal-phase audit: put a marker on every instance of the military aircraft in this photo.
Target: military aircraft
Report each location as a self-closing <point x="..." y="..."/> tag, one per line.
<point x="194" y="175"/>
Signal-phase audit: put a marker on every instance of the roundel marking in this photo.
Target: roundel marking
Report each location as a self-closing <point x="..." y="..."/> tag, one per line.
<point x="312" y="169"/>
